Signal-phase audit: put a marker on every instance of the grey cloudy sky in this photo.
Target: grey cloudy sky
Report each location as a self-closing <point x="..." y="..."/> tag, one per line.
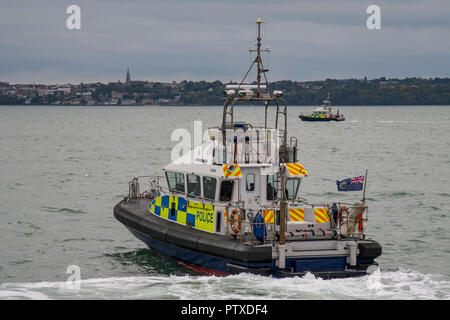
<point x="165" y="40"/>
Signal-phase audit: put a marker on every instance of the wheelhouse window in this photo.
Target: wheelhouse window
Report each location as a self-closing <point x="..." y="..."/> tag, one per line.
<point x="175" y="180"/>
<point x="209" y="187"/>
<point x="291" y="188"/>
<point x="250" y="181"/>
<point x="193" y="185"/>
<point x="272" y="187"/>
<point x="226" y="190"/>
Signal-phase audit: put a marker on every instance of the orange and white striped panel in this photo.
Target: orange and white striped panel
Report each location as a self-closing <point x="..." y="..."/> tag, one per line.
<point x="297" y="214"/>
<point x="225" y="217"/>
<point x="296" y="169"/>
<point x="231" y="170"/>
<point x="321" y="215"/>
<point x="269" y="216"/>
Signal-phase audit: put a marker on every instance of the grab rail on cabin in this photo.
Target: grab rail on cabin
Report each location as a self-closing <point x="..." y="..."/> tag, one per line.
<point x="246" y="145"/>
<point x="134" y="188"/>
<point x="349" y="222"/>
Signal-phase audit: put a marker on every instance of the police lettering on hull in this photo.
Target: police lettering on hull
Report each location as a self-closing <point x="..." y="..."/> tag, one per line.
<point x="194" y="214"/>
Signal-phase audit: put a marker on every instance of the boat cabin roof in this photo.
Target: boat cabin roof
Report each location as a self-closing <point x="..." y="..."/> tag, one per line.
<point x="322" y="109"/>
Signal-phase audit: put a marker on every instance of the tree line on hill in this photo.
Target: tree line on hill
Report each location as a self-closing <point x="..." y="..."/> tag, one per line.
<point x="349" y="92"/>
<point x="382" y="91"/>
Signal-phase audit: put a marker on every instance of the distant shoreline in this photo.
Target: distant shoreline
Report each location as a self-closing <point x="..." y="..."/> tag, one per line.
<point x="348" y="92"/>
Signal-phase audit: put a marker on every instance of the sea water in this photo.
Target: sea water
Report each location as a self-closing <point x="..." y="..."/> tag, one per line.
<point x="63" y="168"/>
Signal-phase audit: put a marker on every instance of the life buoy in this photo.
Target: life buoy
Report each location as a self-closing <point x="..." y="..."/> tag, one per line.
<point x="354" y="217"/>
<point x="341" y="210"/>
<point x="235" y="220"/>
<point x="360" y="223"/>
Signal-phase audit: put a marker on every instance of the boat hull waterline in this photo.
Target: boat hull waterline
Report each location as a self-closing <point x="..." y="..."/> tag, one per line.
<point x="308" y="118"/>
<point x="224" y="255"/>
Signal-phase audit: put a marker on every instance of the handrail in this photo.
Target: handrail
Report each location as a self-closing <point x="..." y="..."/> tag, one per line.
<point x="358" y="221"/>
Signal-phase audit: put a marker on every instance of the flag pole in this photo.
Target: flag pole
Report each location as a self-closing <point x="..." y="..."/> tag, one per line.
<point x="364" y="191"/>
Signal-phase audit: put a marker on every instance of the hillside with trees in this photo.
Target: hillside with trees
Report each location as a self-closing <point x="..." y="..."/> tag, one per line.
<point x="347" y="92"/>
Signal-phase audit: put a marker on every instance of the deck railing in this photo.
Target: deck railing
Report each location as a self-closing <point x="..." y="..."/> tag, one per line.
<point x="347" y="220"/>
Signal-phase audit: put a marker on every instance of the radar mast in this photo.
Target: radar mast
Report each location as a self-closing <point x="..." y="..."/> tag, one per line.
<point x="245" y="93"/>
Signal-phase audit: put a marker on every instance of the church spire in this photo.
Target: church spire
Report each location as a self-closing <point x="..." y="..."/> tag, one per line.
<point x="127" y="79"/>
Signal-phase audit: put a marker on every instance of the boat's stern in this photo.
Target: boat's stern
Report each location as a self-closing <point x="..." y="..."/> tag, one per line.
<point x="325" y="258"/>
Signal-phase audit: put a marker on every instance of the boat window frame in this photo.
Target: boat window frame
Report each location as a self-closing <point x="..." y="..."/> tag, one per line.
<point x="246" y="182"/>
<point x="296" y="189"/>
<point x="176" y="184"/>
<point x="275" y="187"/>
<point x="274" y="196"/>
<point x="203" y="187"/>
<point x="221" y="188"/>
<point x="199" y="185"/>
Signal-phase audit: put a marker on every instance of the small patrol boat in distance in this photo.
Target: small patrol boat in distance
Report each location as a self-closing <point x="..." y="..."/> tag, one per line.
<point x="233" y="204"/>
<point x="323" y="113"/>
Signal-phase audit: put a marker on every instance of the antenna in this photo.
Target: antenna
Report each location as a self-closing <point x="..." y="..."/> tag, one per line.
<point x="258" y="60"/>
<point x="244" y="93"/>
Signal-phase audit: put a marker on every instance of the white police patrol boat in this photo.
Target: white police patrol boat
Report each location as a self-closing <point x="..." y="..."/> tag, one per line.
<point x="234" y="203"/>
